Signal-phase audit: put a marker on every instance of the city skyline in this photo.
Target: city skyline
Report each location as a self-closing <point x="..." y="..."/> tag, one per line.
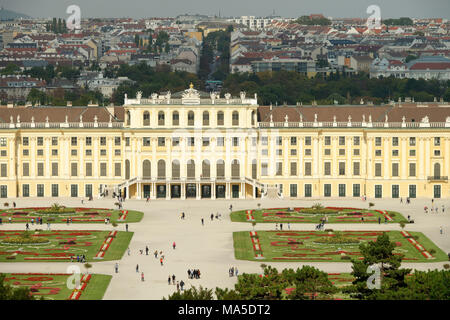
<point x="286" y="8"/>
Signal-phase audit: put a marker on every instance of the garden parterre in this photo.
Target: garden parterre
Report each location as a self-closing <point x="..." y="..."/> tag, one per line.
<point x="74" y="215"/>
<point x="53" y="286"/>
<point x="291" y="246"/>
<point x="64" y="244"/>
<point x="306" y="215"/>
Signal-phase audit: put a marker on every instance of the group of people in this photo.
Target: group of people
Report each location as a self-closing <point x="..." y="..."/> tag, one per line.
<point x="217" y="216"/>
<point x="434" y="209"/>
<point x="281" y="226"/>
<point x="233" y="271"/>
<point x="80" y="258"/>
<point x="408" y="200"/>
<point x="193" y="274"/>
<point x="38" y="220"/>
<point x="27" y="225"/>
<point x="179" y="284"/>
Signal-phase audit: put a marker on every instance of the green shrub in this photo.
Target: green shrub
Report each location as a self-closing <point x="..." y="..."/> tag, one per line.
<point x="345" y="258"/>
<point x="318" y="211"/>
<point x="337" y="239"/>
<point x="446" y="266"/>
<point x="432" y="251"/>
<point x="392" y="214"/>
<point x="25" y="238"/>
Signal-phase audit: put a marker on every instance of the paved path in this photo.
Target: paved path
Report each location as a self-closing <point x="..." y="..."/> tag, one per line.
<point x="210" y="247"/>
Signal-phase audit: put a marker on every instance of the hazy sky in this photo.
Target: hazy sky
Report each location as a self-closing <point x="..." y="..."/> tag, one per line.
<point x="287" y="8"/>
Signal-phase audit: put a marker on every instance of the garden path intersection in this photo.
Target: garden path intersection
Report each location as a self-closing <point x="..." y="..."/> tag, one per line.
<point x="210" y="247"/>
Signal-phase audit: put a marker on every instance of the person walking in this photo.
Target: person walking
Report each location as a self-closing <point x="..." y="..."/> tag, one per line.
<point x="168" y="279"/>
<point x="126" y="227"/>
<point x="116" y="267"/>
<point x="379" y="220"/>
<point x="281" y="226"/>
<point x="137" y="268"/>
<point x="156" y="254"/>
<point x="129" y="251"/>
<point x="203" y="222"/>
<point x="440" y="230"/>
<point x="236" y="271"/>
<point x="142" y="277"/>
<point x="181" y="285"/>
<point x="212" y="216"/>
<point x="14" y="205"/>
<point x="27" y="226"/>
<point x="174" y="245"/>
<point x="173" y="279"/>
<point x="146" y="250"/>
<point x="161" y="261"/>
<point x="178" y="286"/>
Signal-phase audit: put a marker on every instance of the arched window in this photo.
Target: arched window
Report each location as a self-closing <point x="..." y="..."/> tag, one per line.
<point x="161" y="118"/>
<point x="191" y="118"/>
<point x="437" y="170"/>
<point x="206" y="169"/>
<point x="175" y="169"/>
<point x="128" y="118"/>
<point x="220" y="169"/>
<point x="220" y="118"/>
<point x="175" y="118"/>
<point x="146" y="119"/>
<point x="127" y="169"/>
<point x="146" y="169"/>
<point x="190" y="169"/>
<point x="235" y="118"/>
<point x="205" y="118"/>
<point x="161" y="169"/>
<point x="235" y="170"/>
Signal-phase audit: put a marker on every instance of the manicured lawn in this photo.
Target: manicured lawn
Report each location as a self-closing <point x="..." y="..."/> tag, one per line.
<point x="79" y="215"/>
<point x="302" y="246"/>
<point x="340" y="215"/>
<point x="62" y="245"/>
<point x="54" y="286"/>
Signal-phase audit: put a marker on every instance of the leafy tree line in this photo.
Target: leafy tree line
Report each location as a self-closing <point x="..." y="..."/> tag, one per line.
<point x="309" y="283"/>
<point x="150" y="80"/>
<point x="216" y="41"/>
<point x="56" y="26"/>
<point x="307" y="20"/>
<point x="403" y="21"/>
<point x="291" y="87"/>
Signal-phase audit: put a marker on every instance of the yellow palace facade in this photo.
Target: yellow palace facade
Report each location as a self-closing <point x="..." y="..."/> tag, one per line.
<point x="203" y="146"/>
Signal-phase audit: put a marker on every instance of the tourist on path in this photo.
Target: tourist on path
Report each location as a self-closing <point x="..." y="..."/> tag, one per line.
<point x="27" y="226"/>
<point x="181" y="285"/>
<point x="161" y="261"/>
<point x="440" y="229"/>
<point x="174" y="245"/>
<point x="142" y="276"/>
<point x="116" y="267"/>
<point x="137" y="268"/>
<point x="168" y="279"/>
<point x="173" y="279"/>
<point x="146" y="250"/>
<point x="178" y="286"/>
<point x="203" y="222"/>
<point x="126" y="227"/>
